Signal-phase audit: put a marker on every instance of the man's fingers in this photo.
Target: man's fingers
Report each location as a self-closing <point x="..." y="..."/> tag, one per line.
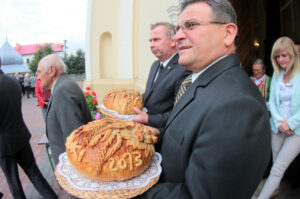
<point x="137" y="110"/>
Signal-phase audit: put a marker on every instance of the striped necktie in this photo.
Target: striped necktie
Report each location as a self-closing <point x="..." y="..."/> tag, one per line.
<point x="184" y="86"/>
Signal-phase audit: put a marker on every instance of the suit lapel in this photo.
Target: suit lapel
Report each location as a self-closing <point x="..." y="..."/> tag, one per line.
<point x="202" y="81"/>
<point x="150" y="80"/>
<point x="164" y="72"/>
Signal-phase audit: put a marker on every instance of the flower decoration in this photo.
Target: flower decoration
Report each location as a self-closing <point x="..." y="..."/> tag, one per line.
<point x="91" y="99"/>
<point x="169" y="67"/>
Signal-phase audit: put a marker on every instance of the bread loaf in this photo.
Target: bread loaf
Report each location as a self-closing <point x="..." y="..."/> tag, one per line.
<point x="110" y="149"/>
<point x="123" y="101"/>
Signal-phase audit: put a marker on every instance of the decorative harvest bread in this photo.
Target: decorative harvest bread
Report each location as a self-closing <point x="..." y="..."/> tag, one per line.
<point x="110" y="149"/>
<point x="123" y="100"/>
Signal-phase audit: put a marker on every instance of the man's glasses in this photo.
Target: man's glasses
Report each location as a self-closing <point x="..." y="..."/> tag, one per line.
<point x="191" y="24"/>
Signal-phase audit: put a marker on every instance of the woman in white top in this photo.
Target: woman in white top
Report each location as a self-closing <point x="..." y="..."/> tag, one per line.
<point x="285" y="112"/>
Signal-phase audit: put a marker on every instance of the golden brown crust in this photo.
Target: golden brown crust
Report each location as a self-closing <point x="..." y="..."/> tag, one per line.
<point x="123" y="100"/>
<point x="110" y="149"/>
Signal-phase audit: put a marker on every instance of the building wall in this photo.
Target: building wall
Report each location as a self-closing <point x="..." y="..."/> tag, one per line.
<point x="117" y="42"/>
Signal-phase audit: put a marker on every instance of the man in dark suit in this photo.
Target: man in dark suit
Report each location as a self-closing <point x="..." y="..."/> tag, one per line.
<point x="67" y="107"/>
<point x="164" y="79"/>
<point x="216" y="143"/>
<point x="15" y="148"/>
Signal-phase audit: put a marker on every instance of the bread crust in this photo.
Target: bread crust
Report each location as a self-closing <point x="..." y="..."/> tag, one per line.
<point x="123" y="101"/>
<point x="111" y="149"/>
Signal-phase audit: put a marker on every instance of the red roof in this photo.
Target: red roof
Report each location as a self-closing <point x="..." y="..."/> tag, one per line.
<point x="31" y="49"/>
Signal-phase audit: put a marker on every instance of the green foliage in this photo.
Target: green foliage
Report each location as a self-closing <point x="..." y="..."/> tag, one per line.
<point x="42" y="52"/>
<point x="75" y="63"/>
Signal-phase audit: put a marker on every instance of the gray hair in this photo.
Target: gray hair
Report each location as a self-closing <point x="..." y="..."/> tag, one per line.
<point x="58" y="63"/>
<point x="222" y="10"/>
<point x="170" y="28"/>
<point x="260" y="62"/>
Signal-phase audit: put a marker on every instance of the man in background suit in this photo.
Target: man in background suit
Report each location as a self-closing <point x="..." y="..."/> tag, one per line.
<point x="15" y="148"/>
<point x="67" y="107"/>
<point x="164" y="79"/>
<point x="216" y="143"/>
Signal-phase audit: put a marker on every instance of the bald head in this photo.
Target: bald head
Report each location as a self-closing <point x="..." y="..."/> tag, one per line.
<point x="53" y="60"/>
<point x="49" y="69"/>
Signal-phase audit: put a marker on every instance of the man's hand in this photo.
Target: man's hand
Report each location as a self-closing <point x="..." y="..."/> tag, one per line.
<point x="154" y="131"/>
<point x="142" y="117"/>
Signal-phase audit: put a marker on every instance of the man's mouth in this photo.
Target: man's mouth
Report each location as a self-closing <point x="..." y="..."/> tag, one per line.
<point x="181" y="48"/>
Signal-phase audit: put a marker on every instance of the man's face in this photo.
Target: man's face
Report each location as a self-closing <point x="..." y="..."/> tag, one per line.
<point x="258" y="71"/>
<point x="160" y="44"/>
<point x="202" y="43"/>
<point x="44" y="76"/>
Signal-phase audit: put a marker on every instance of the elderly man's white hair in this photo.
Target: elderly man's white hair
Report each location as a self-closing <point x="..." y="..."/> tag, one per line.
<point x="54" y="60"/>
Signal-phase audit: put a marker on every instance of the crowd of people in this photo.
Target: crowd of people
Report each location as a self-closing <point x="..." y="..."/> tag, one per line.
<point x="27" y="82"/>
<point x="217" y="127"/>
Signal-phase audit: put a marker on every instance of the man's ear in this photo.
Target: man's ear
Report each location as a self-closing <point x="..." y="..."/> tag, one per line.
<point x="230" y="34"/>
<point x="172" y="43"/>
<point x="52" y="71"/>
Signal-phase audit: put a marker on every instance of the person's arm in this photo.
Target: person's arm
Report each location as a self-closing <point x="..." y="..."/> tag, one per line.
<point x="228" y="156"/>
<point x="154" y="120"/>
<point x="39" y="94"/>
<point x="275" y="115"/>
<point x="158" y="120"/>
<point x="68" y="110"/>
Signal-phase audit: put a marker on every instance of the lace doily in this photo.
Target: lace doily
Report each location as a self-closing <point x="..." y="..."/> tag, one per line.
<point x="116" y="114"/>
<point x="78" y="181"/>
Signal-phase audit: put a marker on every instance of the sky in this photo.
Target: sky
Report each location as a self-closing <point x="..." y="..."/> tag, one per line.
<point x="43" y="21"/>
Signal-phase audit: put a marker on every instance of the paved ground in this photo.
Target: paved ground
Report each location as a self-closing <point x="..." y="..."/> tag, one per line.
<point x="34" y="121"/>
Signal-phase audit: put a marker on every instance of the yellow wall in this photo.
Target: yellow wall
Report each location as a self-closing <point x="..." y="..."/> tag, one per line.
<point x="103" y="70"/>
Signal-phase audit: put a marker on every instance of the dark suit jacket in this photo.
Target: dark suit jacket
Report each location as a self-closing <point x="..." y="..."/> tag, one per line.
<point x="159" y="97"/>
<point x="14" y="134"/>
<point x="216" y="143"/>
<point x="67" y="110"/>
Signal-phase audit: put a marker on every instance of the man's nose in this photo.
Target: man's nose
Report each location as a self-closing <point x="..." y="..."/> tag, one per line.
<point x="179" y="35"/>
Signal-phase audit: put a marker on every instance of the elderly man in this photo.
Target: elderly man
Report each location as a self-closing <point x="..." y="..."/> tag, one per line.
<point x="216" y="142"/>
<point x="260" y="78"/>
<point x="164" y="78"/>
<point x="15" y="148"/>
<point x="67" y="107"/>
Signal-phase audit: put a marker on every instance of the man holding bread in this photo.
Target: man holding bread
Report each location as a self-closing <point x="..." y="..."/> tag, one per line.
<point x="216" y="143"/>
<point x="164" y="79"/>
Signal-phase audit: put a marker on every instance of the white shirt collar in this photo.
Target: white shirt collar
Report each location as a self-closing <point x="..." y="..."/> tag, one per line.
<point x="167" y="61"/>
<point x="258" y="81"/>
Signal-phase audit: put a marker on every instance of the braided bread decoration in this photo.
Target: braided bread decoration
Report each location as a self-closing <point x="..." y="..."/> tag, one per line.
<point x="110" y="149"/>
<point x="123" y="100"/>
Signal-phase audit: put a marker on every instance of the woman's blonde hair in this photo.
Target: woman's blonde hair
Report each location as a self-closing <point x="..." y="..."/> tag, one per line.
<point x="285" y="44"/>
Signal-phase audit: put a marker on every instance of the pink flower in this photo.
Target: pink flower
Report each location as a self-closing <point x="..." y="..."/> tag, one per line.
<point x="94" y="94"/>
<point x="86" y="93"/>
<point x="88" y="88"/>
<point x="97" y="116"/>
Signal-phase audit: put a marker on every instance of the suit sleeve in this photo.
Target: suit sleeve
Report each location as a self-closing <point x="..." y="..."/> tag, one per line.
<point x="223" y="137"/>
<point x="68" y="110"/>
<point x="158" y="120"/>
